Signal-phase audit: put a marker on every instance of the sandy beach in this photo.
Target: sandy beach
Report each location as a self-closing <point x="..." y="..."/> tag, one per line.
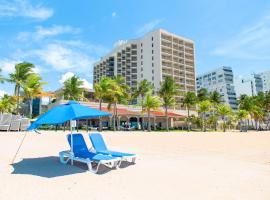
<point x="227" y="166"/>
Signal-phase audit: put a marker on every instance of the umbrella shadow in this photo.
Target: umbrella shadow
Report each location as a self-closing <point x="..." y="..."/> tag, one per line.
<point x="50" y="167"/>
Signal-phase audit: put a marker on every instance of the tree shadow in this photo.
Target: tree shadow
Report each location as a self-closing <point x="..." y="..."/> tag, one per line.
<point x="50" y="167"/>
<point x="125" y="164"/>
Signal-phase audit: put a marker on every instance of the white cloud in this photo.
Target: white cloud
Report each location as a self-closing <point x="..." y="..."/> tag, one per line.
<point x="66" y="76"/>
<point x="8" y="65"/>
<point x="114" y="14"/>
<point x="148" y="26"/>
<point x="61" y="57"/>
<point x="41" y="32"/>
<point x="251" y="42"/>
<point x="23" y="8"/>
<point x="2" y="93"/>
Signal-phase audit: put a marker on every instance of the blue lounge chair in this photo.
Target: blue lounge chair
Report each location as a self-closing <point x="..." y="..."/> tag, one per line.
<point x="100" y="147"/>
<point x="82" y="154"/>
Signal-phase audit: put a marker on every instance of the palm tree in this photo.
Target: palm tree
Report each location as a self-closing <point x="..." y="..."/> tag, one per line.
<point x="215" y="99"/>
<point x="241" y="116"/>
<point x="151" y="103"/>
<point x="22" y="71"/>
<point x="202" y="94"/>
<point x="258" y="115"/>
<point x="7" y="104"/>
<point x="267" y="107"/>
<point x="224" y="110"/>
<point x="32" y="88"/>
<point x="167" y="92"/>
<point x="203" y="108"/>
<point x="246" y="103"/>
<point x="145" y="87"/>
<point x="73" y="89"/>
<point x="190" y="99"/>
<point x="118" y="93"/>
<point x="101" y="91"/>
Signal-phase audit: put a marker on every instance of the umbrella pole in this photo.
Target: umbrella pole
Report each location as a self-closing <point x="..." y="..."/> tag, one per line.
<point x="70" y="123"/>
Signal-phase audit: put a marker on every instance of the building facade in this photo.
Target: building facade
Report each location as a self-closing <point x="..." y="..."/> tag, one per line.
<point x="266" y="80"/>
<point x="249" y="85"/>
<point x="220" y="80"/>
<point x="153" y="57"/>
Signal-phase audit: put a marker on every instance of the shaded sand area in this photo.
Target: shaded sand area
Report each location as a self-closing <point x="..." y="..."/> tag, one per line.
<point x="170" y="166"/>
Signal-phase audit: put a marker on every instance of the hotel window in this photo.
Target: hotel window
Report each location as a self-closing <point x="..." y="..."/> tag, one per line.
<point x="141" y="50"/>
<point x="152" y="78"/>
<point x="152" y="38"/>
<point x="141" y="44"/>
<point x="141" y="75"/>
<point x="152" y="51"/>
<point x="141" y="56"/>
<point x="152" y="57"/>
<point x="141" y="62"/>
<point x="141" y="68"/>
<point x="152" y="45"/>
<point x="152" y="71"/>
<point x="152" y="64"/>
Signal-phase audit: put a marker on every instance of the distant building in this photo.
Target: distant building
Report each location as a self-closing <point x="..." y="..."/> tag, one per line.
<point x="220" y="80"/>
<point x="153" y="57"/>
<point x="266" y="80"/>
<point x="249" y="85"/>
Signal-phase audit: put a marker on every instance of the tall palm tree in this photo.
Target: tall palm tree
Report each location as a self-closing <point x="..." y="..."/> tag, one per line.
<point x="151" y="103"/>
<point x="73" y="89"/>
<point x="7" y="104"/>
<point x="190" y="99"/>
<point x="118" y="93"/>
<point x="215" y="98"/>
<point x="224" y="110"/>
<point x="203" y="108"/>
<point x="267" y="107"/>
<point x="246" y="103"/>
<point x="167" y="92"/>
<point x="145" y="87"/>
<point x="101" y="91"/>
<point x="242" y="115"/>
<point x="202" y="94"/>
<point x="32" y="88"/>
<point x="22" y="71"/>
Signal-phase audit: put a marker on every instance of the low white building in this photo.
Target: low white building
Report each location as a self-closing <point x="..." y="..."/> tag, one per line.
<point x="266" y="80"/>
<point x="220" y="80"/>
<point x="249" y="85"/>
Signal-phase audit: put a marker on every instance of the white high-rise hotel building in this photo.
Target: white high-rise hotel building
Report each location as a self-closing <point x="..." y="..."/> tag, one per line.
<point x="154" y="56"/>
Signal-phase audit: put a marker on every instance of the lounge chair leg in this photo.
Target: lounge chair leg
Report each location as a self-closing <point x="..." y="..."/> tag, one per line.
<point x="91" y="169"/>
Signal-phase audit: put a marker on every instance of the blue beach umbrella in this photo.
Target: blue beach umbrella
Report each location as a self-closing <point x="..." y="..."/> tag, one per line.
<point x="67" y="112"/>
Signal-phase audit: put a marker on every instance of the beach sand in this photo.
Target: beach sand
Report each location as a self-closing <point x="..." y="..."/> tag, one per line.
<point x="216" y="166"/>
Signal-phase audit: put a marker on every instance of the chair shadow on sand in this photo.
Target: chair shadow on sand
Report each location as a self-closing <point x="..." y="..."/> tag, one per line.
<point x="50" y="167"/>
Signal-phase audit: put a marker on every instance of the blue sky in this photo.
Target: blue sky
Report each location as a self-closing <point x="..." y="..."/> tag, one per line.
<point x="66" y="37"/>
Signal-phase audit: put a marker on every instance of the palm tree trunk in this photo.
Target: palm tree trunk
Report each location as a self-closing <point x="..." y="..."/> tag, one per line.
<point x="99" y="119"/>
<point x="188" y="119"/>
<point x="142" y="125"/>
<point x="30" y="108"/>
<point x="204" y="127"/>
<point x="17" y="91"/>
<point x="167" y="119"/>
<point x="224" y="125"/>
<point x="149" y="125"/>
<point x="114" y="116"/>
